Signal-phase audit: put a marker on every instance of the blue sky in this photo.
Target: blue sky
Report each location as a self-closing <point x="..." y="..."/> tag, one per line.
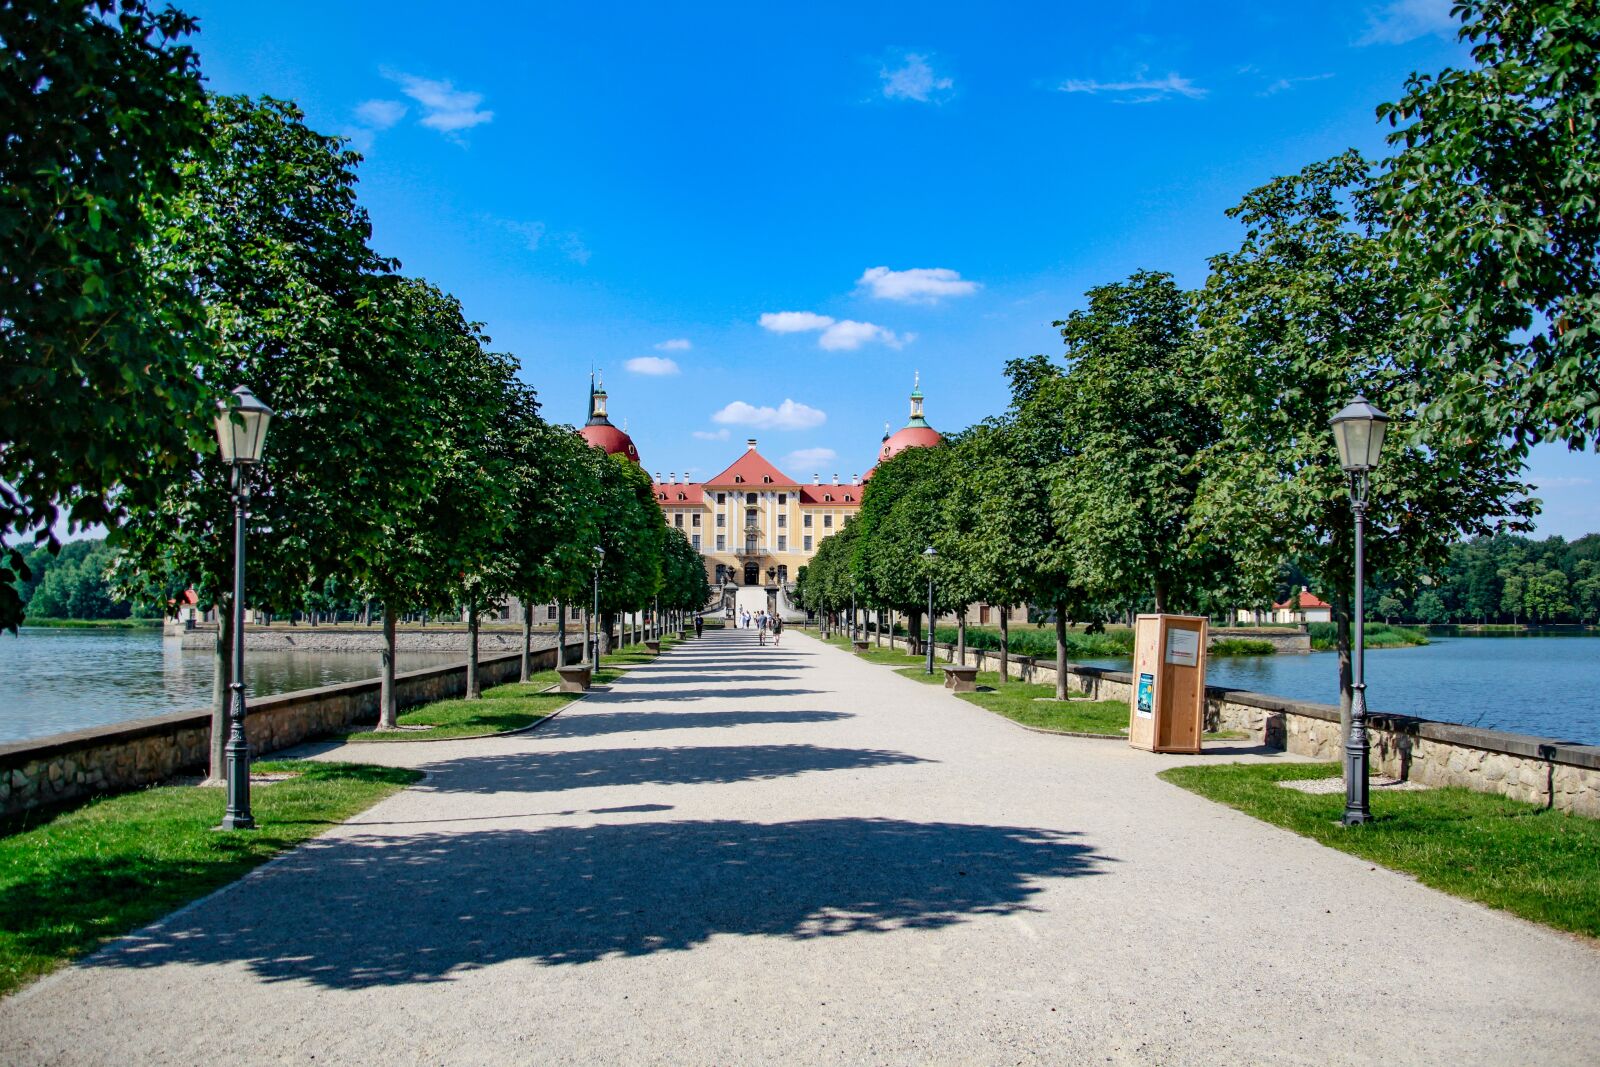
<point x="791" y="211"/>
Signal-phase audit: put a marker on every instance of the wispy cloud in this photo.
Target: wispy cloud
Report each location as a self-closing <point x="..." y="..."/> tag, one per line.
<point x="915" y="79"/>
<point x="1563" y="482"/>
<point x="794" y="321"/>
<point x="917" y="285"/>
<point x="573" y="248"/>
<point x="835" y="334"/>
<point x="1283" y="85"/>
<point x="812" y="459"/>
<point x="653" y="366"/>
<point x="1137" y="90"/>
<point x="380" y="114"/>
<point x="788" y="415"/>
<point x="677" y="344"/>
<point x="711" y="435"/>
<point x="535" y="236"/>
<point x="444" y="107"/>
<point x="532" y="233"/>
<point x="1399" y="21"/>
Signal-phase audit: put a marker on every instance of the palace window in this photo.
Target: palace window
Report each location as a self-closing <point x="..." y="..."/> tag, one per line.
<point x="576" y="614"/>
<point x="694" y="539"/>
<point x="677" y="519"/>
<point x="827" y="522"/>
<point x="750" y="498"/>
<point x="722" y="542"/>
<point x="722" y="498"/>
<point x="783" y="520"/>
<point x="783" y="543"/>
<point x="694" y="520"/>
<point x="805" y="520"/>
<point x="783" y="498"/>
<point x="806" y="544"/>
<point x="552" y="613"/>
<point x="722" y="521"/>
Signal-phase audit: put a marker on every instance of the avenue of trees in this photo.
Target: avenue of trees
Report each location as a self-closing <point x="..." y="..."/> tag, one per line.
<point x="1180" y="459"/>
<point x="162" y="245"/>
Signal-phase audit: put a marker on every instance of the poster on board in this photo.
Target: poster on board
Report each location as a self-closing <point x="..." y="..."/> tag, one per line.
<point x="1183" y="647"/>
<point x="1147" y="696"/>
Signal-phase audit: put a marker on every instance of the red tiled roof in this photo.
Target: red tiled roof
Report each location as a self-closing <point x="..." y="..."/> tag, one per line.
<point x="606" y="436"/>
<point x="843" y="495"/>
<point x="753" y="468"/>
<point x="910" y="437"/>
<point x="1307" y="601"/>
<point x="669" y="494"/>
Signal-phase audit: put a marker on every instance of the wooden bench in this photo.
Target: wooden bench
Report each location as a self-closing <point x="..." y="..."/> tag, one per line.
<point x="961" y="679"/>
<point x="575" y="679"/>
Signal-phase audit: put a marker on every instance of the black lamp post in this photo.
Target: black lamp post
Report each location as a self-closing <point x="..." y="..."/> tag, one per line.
<point x="930" y="555"/>
<point x="1358" y="430"/>
<point x="242" y="435"/>
<point x="599" y="561"/>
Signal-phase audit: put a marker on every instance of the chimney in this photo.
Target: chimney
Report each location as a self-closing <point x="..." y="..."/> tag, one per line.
<point x="658" y="478"/>
<point x="855" y="479"/>
<point x="816" y="479"/>
<point x="750" y="444"/>
<point x="836" y="478"/>
<point x="672" y="476"/>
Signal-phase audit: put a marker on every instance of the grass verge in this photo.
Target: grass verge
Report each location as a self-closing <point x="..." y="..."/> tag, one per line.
<point x="1540" y="864"/>
<point x="71" y="880"/>
<point x="503" y="708"/>
<point x="1325" y="636"/>
<point x="95" y="624"/>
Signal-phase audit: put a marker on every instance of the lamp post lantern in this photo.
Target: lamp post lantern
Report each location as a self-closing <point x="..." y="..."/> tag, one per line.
<point x="242" y="438"/>
<point x="930" y="555"/>
<point x="1358" y="430"/>
<point x="599" y="561"/>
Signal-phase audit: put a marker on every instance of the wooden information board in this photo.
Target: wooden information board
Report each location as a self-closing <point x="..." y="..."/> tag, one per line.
<point x="1166" y="712"/>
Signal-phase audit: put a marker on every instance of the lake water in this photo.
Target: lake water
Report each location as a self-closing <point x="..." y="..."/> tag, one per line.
<point x="1543" y="685"/>
<point x="54" y="680"/>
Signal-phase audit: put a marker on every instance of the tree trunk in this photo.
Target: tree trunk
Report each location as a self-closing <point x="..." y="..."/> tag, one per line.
<point x="1159" y="593"/>
<point x="474" y="685"/>
<point x="914" y="634"/>
<point x="221" y="677"/>
<point x="1342" y="638"/>
<point x="1005" y="643"/>
<point x="1061" y="652"/>
<point x="388" y="705"/>
<point x="608" y="619"/>
<point x="588" y="638"/>
<point x="561" y="632"/>
<point x="525" y="668"/>
<point x="961" y="637"/>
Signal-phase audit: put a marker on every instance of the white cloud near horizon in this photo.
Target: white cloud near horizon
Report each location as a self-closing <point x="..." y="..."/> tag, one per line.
<point x="914" y="79"/>
<point x="809" y="459"/>
<point x="710" y="435"/>
<point x="788" y="415"/>
<point x="916" y="285"/>
<point x="836" y="334"/>
<point x="677" y="344"/>
<point x="1399" y="21"/>
<point x="445" y="108"/>
<point x="653" y="366"/>
<point x="1283" y="85"/>
<point x="1137" y="90"/>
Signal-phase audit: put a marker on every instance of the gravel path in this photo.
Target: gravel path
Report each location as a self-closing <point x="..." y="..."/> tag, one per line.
<point x="748" y="855"/>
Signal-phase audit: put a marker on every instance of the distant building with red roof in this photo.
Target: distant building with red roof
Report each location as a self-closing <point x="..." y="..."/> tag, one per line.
<point x="1304" y="606"/>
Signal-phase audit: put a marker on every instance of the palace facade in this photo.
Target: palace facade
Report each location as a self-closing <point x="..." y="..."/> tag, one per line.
<point x="754" y="524"/>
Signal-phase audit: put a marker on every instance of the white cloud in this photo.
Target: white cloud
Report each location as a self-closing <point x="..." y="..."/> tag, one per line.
<point x="530" y="232"/>
<point x="655" y="366"/>
<point x="445" y="108"/>
<point x="794" y="321"/>
<point x="677" y="344"/>
<point x="380" y="114"/>
<point x="914" y="79"/>
<point x="848" y="335"/>
<point x="1139" y="90"/>
<point x="786" y="416"/>
<point x="918" y="285"/>
<point x="1283" y="85"/>
<point x="1399" y="21"/>
<point x="837" y="334"/>
<point x="575" y="249"/>
<point x="711" y="435"/>
<point x="1563" y="482"/>
<point x="810" y="459"/>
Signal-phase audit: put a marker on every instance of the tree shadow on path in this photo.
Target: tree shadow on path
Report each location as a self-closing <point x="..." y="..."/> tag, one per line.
<point x="542" y="772"/>
<point x="359" y="912"/>
<point x="596" y="723"/>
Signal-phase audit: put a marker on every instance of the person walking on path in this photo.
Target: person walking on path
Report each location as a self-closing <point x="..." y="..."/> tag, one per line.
<point x="699" y="625"/>
<point x="761" y="628"/>
<point x="777" y="629"/>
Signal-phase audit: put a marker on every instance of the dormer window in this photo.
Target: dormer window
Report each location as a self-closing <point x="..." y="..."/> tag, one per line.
<point x="766" y="479"/>
<point x="828" y="497"/>
<point x="683" y="496"/>
<point x="738" y="478"/>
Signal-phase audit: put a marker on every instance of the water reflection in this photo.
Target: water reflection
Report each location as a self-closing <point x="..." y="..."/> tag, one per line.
<point x="56" y="680"/>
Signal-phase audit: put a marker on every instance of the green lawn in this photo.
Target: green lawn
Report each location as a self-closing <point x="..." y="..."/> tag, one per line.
<point x="503" y="708"/>
<point x="71" y="880"/>
<point x="1539" y="864"/>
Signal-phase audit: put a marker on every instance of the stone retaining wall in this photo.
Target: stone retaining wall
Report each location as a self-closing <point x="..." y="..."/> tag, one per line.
<point x="128" y="755"/>
<point x="1538" y="770"/>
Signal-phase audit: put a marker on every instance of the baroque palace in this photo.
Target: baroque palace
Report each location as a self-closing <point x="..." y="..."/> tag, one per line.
<point x="754" y="524"/>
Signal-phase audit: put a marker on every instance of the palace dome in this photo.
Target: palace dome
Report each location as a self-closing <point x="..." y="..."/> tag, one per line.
<point x="599" y="431"/>
<point x="916" y="433"/>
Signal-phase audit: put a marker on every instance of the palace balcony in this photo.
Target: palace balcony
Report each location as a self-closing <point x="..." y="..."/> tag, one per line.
<point x="751" y="550"/>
